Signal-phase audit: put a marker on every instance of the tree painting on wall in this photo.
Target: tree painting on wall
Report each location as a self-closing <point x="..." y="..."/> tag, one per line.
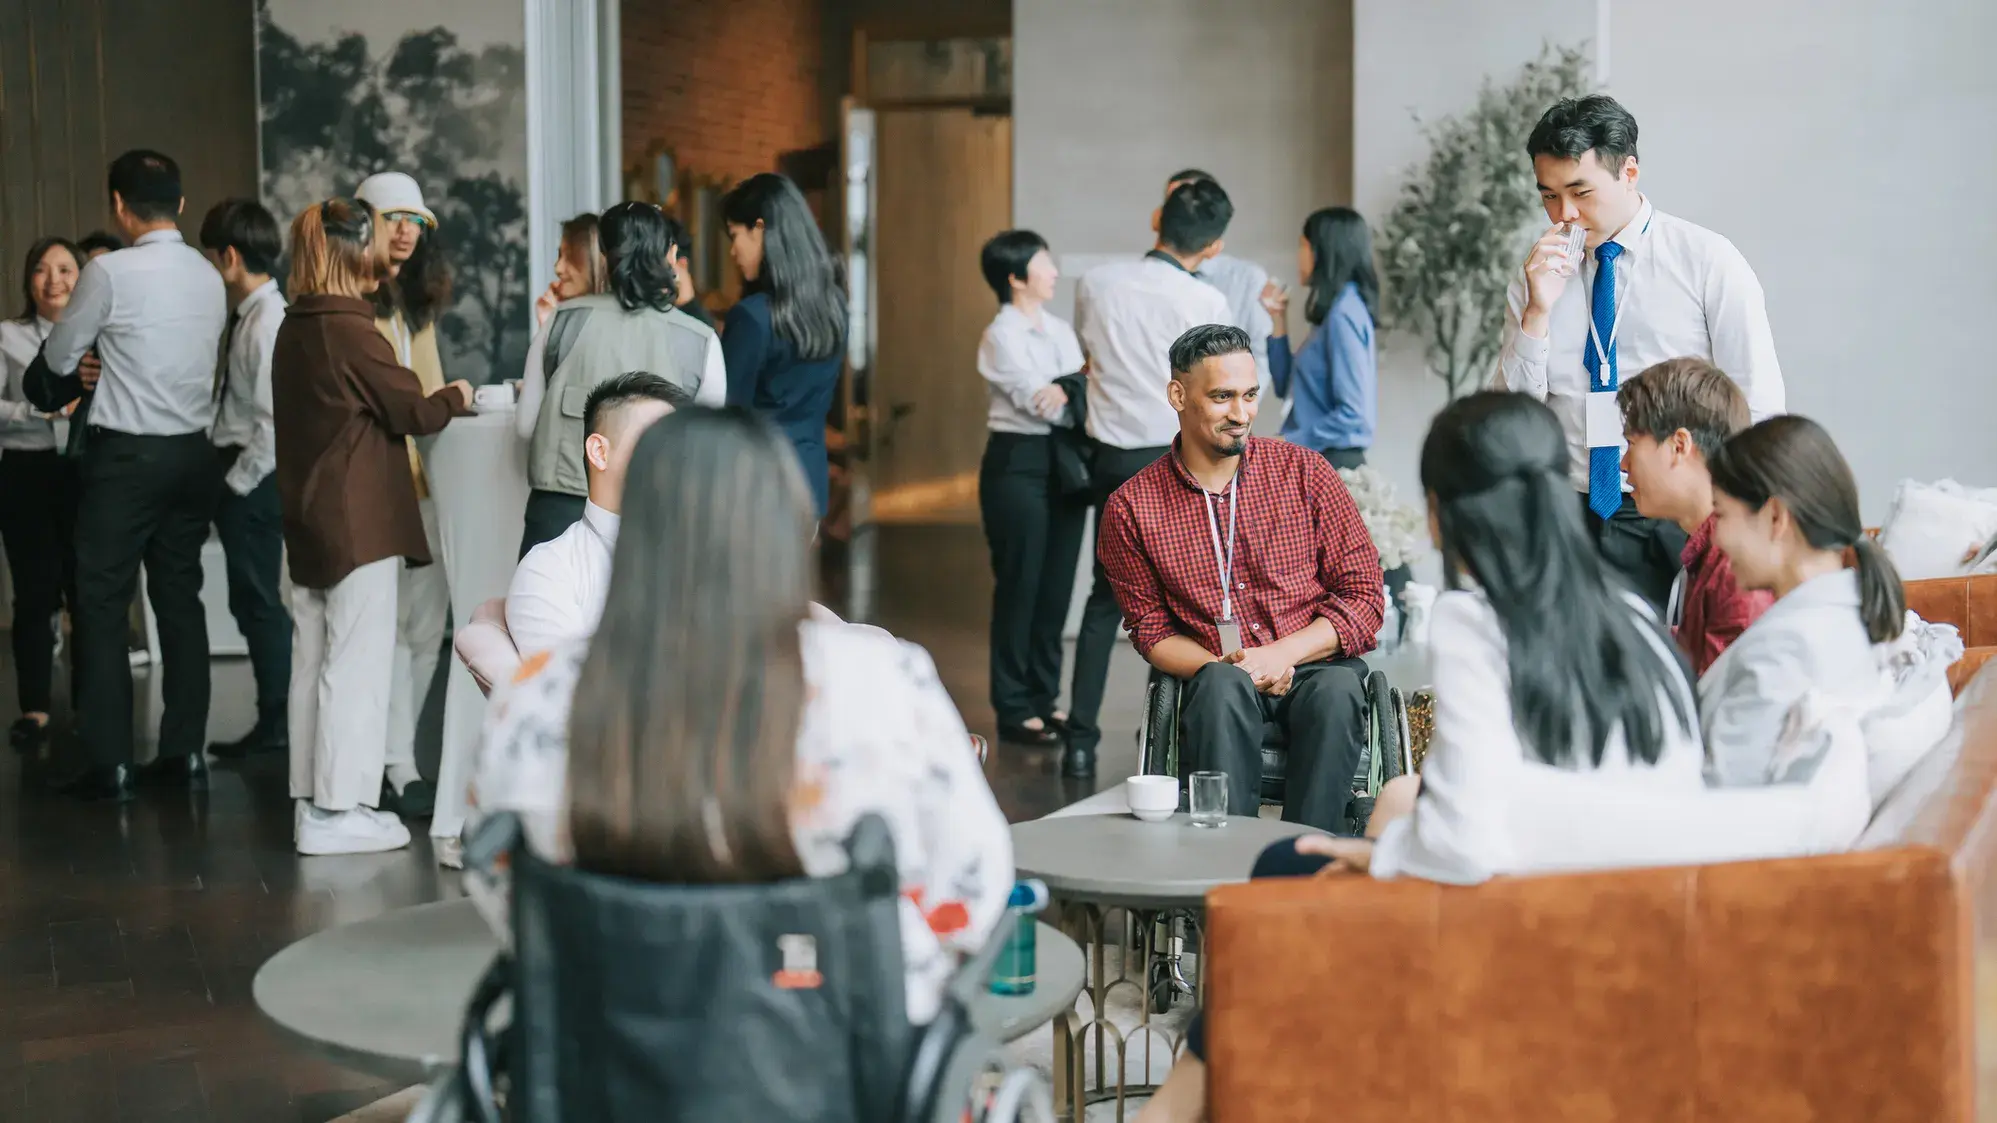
<point x="418" y="90"/>
<point x="1459" y="231"/>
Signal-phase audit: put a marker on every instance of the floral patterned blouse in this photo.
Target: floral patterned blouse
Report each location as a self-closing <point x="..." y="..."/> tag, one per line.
<point x="878" y="735"/>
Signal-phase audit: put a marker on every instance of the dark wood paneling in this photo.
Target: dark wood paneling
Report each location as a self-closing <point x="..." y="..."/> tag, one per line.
<point x="82" y="80"/>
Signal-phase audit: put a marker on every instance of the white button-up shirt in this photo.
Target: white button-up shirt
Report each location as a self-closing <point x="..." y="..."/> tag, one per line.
<point x="1018" y="358"/>
<point x="243" y="419"/>
<point x="22" y="426"/>
<point x="1681" y="290"/>
<point x="558" y="590"/>
<point x="1241" y="282"/>
<point x="155" y="312"/>
<point x="1128" y="313"/>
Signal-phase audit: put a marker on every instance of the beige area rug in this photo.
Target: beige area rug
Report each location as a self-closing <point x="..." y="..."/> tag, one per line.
<point x="394" y="1109"/>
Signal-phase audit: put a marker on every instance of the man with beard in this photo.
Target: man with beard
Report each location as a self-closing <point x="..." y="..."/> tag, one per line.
<point x="1244" y="569"/>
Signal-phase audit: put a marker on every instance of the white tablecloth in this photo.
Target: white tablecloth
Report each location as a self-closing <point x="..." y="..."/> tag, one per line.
<point x="478" y="480"/>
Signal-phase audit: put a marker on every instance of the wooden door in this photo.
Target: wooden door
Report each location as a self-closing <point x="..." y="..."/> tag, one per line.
<point x="943" y="185"/>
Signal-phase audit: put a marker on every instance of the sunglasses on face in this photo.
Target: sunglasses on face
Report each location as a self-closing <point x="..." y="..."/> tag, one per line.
<point x="410" y="217"/>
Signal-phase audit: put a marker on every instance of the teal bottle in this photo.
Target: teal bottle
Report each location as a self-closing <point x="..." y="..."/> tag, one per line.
<point x="1013" y="973"/>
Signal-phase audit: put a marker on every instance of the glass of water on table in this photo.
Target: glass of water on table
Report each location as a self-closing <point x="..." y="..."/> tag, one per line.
<point x="1206" y="797"/>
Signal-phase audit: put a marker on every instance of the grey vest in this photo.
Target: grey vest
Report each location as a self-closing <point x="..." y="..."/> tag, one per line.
<point x="592" y="339"/>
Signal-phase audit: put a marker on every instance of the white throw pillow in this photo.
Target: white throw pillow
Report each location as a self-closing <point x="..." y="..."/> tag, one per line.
<point x="1935" y="528"/>
<point x="1917" y="710"/>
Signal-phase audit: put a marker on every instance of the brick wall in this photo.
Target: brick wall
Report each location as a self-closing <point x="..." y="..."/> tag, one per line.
<point x="726" y="84"/>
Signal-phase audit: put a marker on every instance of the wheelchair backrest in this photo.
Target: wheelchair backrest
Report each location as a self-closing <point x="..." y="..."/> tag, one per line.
<point x="638" y="1001"/>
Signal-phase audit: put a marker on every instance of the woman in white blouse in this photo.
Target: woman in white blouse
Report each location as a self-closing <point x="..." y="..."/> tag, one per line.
<point x="1785" y="511"/>
<point x="1033" y="530"/>
<point x="36" y="488"/>
<point x="708" y="663"/>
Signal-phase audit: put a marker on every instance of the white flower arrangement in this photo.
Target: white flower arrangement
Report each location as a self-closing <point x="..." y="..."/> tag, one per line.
<point x="1398" y="530"/>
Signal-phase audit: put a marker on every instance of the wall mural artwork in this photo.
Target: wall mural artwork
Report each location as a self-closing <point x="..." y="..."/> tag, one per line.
<point x="434" y="88"/>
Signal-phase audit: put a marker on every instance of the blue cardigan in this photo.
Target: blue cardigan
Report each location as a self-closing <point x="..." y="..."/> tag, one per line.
<point x="766" y="374"/>
<point x="1335" y="403"/>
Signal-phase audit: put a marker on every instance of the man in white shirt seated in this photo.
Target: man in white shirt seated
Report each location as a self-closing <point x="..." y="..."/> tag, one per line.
<point x="557" y="593"/>
<point x="1647" y="287"/>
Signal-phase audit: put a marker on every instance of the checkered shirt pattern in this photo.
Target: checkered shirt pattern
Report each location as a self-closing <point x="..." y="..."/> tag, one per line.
<point x="1301" y="552"/>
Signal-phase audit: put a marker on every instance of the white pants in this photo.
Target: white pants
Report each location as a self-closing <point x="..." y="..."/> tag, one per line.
<point x="422" y="605"/>
<point x="342" y="655"/>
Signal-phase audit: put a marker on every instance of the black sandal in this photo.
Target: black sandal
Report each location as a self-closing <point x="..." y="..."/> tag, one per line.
<point x="1045" y="737"/>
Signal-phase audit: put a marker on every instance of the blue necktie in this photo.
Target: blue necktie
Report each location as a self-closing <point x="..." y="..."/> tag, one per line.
<point x="1605" y="476"/>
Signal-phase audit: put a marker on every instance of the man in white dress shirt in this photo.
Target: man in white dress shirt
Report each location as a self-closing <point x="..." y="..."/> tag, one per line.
<point x="1648" y="287"/>
<point x="240" y="238"/>
<point x="153" y="314"/>
<point x="557" y="593"/>
<point x="1239" y="280"/>
<point x="1128" y="313"/>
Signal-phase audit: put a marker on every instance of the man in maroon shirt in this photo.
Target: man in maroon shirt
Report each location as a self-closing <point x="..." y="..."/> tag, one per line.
<point x="1243" y="568"/>
<point x="1676" y="415"/>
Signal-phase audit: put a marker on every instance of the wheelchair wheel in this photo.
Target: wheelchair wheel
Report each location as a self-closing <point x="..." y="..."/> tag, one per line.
<point x="1387" y="722"/>
<point x="1158" y="986"/>
<point x="1159" y="754"/>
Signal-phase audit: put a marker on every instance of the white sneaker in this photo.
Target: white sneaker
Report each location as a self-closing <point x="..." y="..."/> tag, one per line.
<point x="362" y="830"/>
<point x="450" y="851"/>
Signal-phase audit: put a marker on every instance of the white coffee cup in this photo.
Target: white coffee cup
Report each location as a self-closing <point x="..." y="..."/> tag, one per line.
<point x="496" y="395"/>
<point x="1152" y="798"/>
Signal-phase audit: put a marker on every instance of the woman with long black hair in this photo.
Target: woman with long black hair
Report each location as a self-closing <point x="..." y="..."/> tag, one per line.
<point x="718" y="730"/>
<point x="1785" y="510"/>
<point x="37" y="488"/>
<point x="630" y="326"/>
<point x="1332" y="382"/>
<point x="786" y="338"/>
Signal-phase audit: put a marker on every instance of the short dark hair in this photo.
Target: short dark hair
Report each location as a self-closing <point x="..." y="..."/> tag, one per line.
<point x="99" y="240"/>
<point x="1685" y="393"/>
<point x="246" y="227"/>
<point x="1006" y="257"/>
<point x="1190" y="175"/>
<point x="1207" y="341"/>
<point x="1573" y="127"/>
<point x="1195" y="216"/>
<point x="633" y="237"/>
<point x="676" y="233"/>
<point x="148" y="182"/>
<point x="613" y="394"/>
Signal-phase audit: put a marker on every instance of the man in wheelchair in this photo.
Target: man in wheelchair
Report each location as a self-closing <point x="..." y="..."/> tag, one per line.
<point x="1244" y="570"/>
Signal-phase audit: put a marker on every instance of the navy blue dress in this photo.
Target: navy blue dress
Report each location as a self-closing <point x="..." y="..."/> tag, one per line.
<point x="766" y="374"/>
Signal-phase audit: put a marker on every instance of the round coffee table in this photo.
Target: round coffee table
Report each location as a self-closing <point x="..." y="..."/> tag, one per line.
<point x="1156" y="875"/>
<point x="387" y="995"/>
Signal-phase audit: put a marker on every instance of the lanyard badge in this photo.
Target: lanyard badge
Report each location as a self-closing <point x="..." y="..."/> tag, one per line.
<point x="1230" y="629"/>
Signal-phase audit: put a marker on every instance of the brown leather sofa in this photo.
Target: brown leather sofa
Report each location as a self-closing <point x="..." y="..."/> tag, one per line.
<point x="1837" y="989"/>
<point x="1970" y="603"/>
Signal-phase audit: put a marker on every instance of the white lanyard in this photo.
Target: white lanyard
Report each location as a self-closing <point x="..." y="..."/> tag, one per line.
<point x="1226" y="564"/>
<point x="1603" y="370"/>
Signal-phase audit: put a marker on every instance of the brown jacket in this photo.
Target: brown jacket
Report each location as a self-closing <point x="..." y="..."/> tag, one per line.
<point x="342" y="406"/>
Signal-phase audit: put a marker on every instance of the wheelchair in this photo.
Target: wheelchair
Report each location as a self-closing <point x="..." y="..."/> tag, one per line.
<point x="641" y="1001"/>
<point x="1386" y="751"/>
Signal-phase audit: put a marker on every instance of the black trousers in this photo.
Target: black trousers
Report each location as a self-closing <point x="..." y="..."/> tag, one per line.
<point x="1035" y="539"/>
<point x="1221" y="715"/>
<point x="1347" y="458"/>
<point x="142" y="499"/>
<point x="37" y="513"/>
<point x="549" y="514"/>
<point x="252" y="531"/>
<point x="1111" y="468"/>
<point x="1647" y="552"/>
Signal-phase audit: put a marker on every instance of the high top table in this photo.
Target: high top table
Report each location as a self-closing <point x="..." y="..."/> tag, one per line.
<point x="1156" y="875"/>
<point x="387" y="995"/>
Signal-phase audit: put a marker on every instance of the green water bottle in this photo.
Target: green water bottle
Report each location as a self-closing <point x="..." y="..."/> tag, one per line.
<point x="1013" y="974"/>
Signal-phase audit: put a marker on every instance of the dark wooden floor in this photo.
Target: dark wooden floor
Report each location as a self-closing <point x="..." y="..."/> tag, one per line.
<point x="128" y="937"/>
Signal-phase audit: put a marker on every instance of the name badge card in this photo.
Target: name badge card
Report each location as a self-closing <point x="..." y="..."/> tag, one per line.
<point x="1605" y="420"/>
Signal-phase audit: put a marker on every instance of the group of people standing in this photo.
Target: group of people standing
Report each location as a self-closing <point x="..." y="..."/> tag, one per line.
<point x="194" y="389"/>
<point x="1066" y="435"/>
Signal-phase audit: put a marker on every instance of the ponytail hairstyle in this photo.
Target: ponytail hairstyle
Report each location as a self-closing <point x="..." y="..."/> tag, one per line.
<point x="635" y="241"/>
<point x="1793" y="459"/>
<point x="1495" y="467"/>
<point x="807" y="293"/>
<point x="336" y="250"/>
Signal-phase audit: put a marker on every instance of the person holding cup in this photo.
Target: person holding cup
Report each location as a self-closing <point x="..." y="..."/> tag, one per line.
<point x="1647" y="287"/>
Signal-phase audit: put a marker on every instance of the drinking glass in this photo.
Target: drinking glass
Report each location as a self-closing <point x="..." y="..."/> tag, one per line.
<point x="1577" y="243"/>
<point x="1207" y="797"/>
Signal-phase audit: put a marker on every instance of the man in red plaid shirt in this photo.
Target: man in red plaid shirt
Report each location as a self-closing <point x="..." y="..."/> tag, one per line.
<point x="1243" y="568"/>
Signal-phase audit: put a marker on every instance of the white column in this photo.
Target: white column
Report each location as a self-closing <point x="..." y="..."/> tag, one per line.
<point x="574" y="120"/>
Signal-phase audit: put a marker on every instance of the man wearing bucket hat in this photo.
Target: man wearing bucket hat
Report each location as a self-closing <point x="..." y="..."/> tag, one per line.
<point x="407" y="307"/>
